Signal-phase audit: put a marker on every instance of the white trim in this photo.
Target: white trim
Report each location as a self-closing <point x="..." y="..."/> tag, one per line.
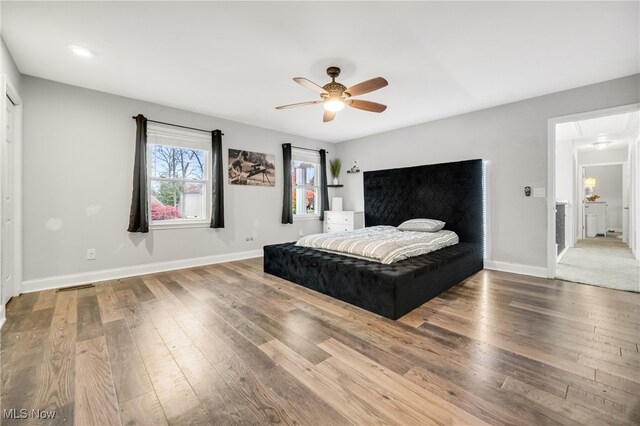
<point x="7" y="89"/>
<point x="611" y="163"/>
<point x="562" y="253"/>
<point x="3" y="319"/>
<point x="157" y="225"/>
<point x="551" y="171"/>
<point x="580" y="197"/>
<point x="188" y="139"/>
<point x="634" y="199"/>
<point x="131" y="271"/>
<point x="297" y="217"/>
<point x="516" y="268"/>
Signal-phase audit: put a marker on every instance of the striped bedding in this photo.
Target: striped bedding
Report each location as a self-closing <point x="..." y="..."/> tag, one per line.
<point x="384" y="244"/>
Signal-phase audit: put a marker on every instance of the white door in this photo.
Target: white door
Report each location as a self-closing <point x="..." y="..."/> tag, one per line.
<point x="6" y="266"/>
<point x="625" y="203"/>
<point x="580" y="200"/>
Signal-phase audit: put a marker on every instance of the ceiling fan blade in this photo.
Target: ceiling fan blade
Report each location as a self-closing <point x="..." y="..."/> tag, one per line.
<point x="366" y="105"/>
<point x="328" y="116"/>
<point x="367" y="86"/>
<point x="310" y="85"/>
<point x="298" y="104"/>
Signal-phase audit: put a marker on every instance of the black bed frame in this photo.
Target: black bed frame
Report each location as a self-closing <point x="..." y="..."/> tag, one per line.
<point x="451" y="192"/>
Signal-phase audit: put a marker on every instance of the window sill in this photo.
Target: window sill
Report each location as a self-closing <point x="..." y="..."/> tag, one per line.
<point x="180" y="225"/>
<point x="306" y="217"/>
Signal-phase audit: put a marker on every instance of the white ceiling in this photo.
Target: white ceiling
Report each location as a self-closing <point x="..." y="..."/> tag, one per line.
<point x="619" y="130"/>
<point x="236" y="60"/>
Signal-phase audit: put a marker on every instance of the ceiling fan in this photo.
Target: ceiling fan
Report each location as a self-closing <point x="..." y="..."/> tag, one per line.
<point x="334" y="96"/>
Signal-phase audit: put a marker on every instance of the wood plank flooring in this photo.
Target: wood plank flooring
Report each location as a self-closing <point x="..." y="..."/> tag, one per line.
<point x="228" y="344"/>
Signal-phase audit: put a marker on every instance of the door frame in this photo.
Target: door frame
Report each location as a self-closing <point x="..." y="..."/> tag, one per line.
<point x="551" y="171"/>
<point x="580" y="197"/>
<point x="8" y="90"/>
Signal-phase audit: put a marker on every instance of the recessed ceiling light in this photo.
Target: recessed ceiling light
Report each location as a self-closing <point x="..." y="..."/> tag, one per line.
<point x="81" y="51"/>
<point x="601" y="145"/>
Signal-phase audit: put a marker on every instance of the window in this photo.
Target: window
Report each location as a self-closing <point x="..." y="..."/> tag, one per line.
<point x="305" y="177"/>
<point x="179" y="176"/>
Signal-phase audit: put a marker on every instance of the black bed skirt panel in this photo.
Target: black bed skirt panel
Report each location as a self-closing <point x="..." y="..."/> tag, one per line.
<point x="387" y="290"/>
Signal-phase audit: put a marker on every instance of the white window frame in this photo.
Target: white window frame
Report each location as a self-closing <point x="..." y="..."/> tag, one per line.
<point x="158" y="134"/>
<point x="312" y="158"/>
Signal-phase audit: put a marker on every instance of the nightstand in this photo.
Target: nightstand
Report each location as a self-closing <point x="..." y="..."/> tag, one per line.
<point x="342" y="221"/>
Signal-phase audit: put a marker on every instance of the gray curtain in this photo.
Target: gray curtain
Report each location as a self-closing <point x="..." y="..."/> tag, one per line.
<point x="324" y="192"/>
<point x="287" y="206"/>
<point x="139" y="214"/>
<point x="217" y="179"/>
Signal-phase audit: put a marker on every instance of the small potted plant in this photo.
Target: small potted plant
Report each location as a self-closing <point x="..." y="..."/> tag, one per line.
<point x="335" y="166"/>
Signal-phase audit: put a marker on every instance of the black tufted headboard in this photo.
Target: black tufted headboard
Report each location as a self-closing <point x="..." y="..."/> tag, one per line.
<point x="451" y="192"/>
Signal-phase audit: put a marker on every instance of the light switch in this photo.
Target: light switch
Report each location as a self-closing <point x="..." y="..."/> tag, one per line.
<point x="539" y="192"/>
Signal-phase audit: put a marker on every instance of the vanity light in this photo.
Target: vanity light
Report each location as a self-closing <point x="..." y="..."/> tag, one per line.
<point x="81" y="51"/>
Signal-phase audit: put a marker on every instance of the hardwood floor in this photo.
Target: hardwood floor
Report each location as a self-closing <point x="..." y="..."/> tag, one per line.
<point x="228" y="344"/>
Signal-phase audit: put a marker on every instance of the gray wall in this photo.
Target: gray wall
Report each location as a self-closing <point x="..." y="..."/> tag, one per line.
<point x="512" y="138"/>
<point x="78" y="158"/>
<point x="609" y="188"/>
<point x="8" y="66"/>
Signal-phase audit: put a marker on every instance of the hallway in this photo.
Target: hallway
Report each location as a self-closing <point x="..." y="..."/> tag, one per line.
<point x="604" y="262"/>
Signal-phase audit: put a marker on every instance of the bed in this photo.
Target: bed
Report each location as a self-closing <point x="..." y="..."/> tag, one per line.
<point x="451" y="192"/>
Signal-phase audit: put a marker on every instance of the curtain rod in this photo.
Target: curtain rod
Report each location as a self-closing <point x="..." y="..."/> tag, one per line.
<point x="178" y="125"/>
<point x="306" y="149"/>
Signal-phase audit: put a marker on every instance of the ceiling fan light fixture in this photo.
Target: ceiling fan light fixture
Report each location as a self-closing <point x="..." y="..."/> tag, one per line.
<point x="335" y="96"/>
<point x="333" y="105"/>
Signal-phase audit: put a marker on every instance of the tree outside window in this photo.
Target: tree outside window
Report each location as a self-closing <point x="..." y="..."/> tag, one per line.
<point x="178" y="183"/>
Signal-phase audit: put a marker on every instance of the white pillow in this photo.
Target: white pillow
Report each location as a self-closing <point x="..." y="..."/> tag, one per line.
<point x="422" y="225"/>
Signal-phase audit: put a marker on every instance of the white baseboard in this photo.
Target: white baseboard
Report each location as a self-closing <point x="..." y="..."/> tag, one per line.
<point x="516" y="268"/>
<point x="2" y="320"/>
<point x="131" y="271"/>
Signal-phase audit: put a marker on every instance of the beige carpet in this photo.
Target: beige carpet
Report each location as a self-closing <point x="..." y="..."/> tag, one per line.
<point x="602" y="262"/>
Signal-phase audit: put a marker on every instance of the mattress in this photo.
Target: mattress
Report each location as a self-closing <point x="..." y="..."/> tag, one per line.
<point x="384" y="244"/>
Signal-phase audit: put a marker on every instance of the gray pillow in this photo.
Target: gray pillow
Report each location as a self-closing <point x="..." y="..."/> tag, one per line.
<point x="422" y="225"/>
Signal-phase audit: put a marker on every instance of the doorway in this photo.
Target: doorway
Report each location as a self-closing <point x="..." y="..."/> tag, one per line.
<point x="7" y="205"/>
<point x="593" y="198"/>
<point x="10" y="193"/>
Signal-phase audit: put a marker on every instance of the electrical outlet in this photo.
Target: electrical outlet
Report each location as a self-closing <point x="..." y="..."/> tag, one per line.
<point x="91" y="254"/>
<point x="249" y="238"/>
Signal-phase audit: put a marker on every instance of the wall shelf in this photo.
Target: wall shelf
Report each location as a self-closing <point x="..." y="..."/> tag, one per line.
<point x="354" y="171"/>
<point x="335" y="186"/>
